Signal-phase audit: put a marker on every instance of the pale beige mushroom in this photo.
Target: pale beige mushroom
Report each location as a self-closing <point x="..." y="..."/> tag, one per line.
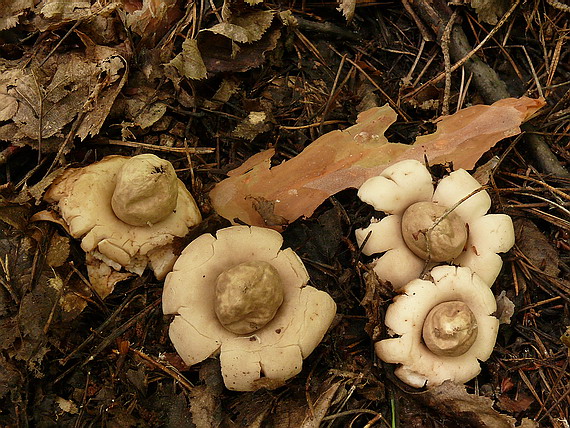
<point x="442" y="328"/>
<point x="145" y="191"/>
<point x="274" y="332"/>
<point x="423" y="226"/>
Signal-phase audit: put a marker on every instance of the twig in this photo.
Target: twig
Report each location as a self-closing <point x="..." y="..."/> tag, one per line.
<point x="325" y="28"/>
<point x="395" y="106"/>
<point x="169" y="370"/>
<point x="183" y="150"/>
<point x="332" y="92"/>
<point x="469" y="55"/>
<point x="120" y="330"/>
<point x="447" y="61"/>
<point x="559" y="5"/>
<point x="533" y="72"/>
<point x="427" y="35"/>
<point x="439" y="220"/>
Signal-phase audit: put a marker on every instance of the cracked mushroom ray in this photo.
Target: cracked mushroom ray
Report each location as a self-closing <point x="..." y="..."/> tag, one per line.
<point x="127" y="211"/>
<point x="217" y="294"/>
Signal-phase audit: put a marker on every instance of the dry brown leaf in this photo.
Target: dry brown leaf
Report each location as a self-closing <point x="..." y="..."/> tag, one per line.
<point x="345" y="159"/>
<point x="247" y="28"/>
<point x="69" y="86"/>
<point x="205" y="400"/>
<point x="455" y="402"/>
<point x="58" y="250"/>
<point x="65" y="10"/>
<point x="189" y="62"/>
<point x="50" y="15"/>
<point x="151" y="19"/>
<point x="10" y="10"/>
<point x="505" y="308"/>
<point x="520" y="404"/>
<point x="254" y="124"/>
<point x="8" y="107"/>
<point x="490" y="11"/>
<point x="321" y="407"/>
<point x="536" y="247"/>
<point x="293" y="412"/>
<point x="102" y="277"/>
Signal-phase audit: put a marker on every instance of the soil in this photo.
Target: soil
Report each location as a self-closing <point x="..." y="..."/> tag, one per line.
<point x="207" y="85"/>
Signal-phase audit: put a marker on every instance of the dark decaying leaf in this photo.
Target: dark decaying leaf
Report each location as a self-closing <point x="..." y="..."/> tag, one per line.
<point x="536" y="247"/>
<point x="455" y="402"/>
<point x="221" y="54"/>
<point x="205" y="400"/>
<point x="9" y="375"/>
<point x="293" y="412"/>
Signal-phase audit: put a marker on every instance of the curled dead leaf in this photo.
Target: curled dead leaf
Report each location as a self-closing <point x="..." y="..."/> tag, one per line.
<point x="189" y="62"/>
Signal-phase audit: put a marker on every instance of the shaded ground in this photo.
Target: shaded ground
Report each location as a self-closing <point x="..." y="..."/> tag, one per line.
<point x="91" y="80"/>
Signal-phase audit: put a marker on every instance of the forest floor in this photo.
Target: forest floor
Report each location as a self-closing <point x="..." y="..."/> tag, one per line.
<point x="207" y="85"/>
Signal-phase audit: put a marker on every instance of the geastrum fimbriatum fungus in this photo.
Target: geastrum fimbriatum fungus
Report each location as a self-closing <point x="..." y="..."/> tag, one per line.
<point x="448" y="225"/>
<point x="126" y="210"/>
<point x="238" y="294"/>
<point x="444" y="327"/>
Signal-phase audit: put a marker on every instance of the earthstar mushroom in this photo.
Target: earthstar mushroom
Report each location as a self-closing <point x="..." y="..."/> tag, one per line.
<point x="442" y="328"/>
<point x="261" y="342"/>
<point x="126" y="211"/>
<point x="447" y="225"/>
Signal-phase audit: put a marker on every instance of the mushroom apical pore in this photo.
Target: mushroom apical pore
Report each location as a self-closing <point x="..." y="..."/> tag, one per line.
<point x="146" y="190"/>
<point x="450" y="329"/>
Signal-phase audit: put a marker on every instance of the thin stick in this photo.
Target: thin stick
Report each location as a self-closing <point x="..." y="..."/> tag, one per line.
<point x="440" y="219"/>
<point x="466" y="58"/>
<point x="447" y="61"/>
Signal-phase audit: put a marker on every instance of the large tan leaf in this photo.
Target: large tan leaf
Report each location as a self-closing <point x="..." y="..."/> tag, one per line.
<point x="247" y="28"/>
<point x="260" y="195"/>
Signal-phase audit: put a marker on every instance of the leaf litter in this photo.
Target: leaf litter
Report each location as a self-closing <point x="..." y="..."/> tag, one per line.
<point x="100" y="69"/>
